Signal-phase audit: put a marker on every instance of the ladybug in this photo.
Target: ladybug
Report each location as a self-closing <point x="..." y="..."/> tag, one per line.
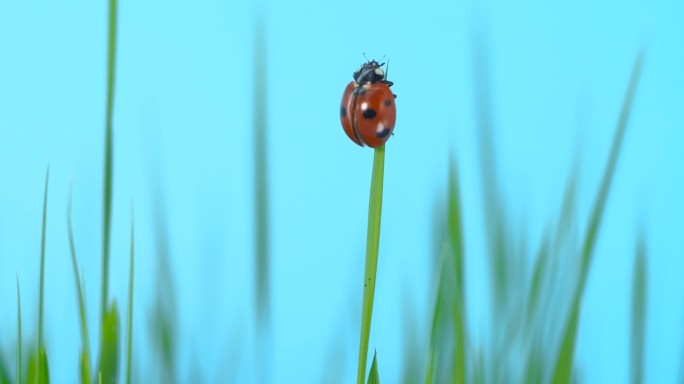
<point x="368" y="112"/>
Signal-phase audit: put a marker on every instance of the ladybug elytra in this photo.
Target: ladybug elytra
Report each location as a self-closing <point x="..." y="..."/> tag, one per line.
<point x="368" y="112"/>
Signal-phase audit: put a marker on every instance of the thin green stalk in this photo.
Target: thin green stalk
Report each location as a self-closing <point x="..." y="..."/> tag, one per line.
<point x="107" y="190"/>
<point x="129" y="325"/>
<point x="85" y="338"/>
<point x="372" y="246"/>
<point x="19" y="352"/>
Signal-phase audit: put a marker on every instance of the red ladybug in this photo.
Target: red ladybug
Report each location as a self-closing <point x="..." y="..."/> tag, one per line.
<point x="368" y="112"/>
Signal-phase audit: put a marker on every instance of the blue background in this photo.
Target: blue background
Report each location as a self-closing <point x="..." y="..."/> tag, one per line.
<point x="182" y="123"/>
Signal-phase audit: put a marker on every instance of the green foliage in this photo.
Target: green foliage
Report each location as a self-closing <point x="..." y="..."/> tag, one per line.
<point x="533" y="313"/>
<point x="372" y="247"/>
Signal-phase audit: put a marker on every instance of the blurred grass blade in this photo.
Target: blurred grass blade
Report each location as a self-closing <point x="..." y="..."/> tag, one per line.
<point x="38" y="371"/>
<point x="129" y="322"/>
<point x="436" y="313"/>
<point x="42" y="263"/>
<point x="413" y="360"/>
<point x="373" y="376"/>
<point x="565" y="361"/>
<point x="4" y="371"/>
<point x="639" y="292"/>
<point x="19" y="342"/>
<point x="261" y="209"/>
<point x="163" y="323"/>
<point x="109" y="353"/>
<point x="602" y="197"/>
<point x="534" y="370"/>
<point x="372" y="246"/>
<point x="83" y="319"/>
<point x="447" y="334"/>
<point x="494" y="209"/>
<point x="456" y="250"/>
<point x="108" y="160"/>
<point x="538" y="271"/>
<point x="85" y="368"/>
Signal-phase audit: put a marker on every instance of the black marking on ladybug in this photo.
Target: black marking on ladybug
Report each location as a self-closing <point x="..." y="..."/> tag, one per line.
<point x="369" y="114"/>
<point x="383" y="133"/>
<point x="343" y="111"/>
<point x="388" y="102"/>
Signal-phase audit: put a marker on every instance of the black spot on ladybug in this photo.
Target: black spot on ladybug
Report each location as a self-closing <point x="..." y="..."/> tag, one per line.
<point x="343" y="111"/>
<point x="383" y="133"/>
<point x="369" y="114"/>
<point x="388" y="102"/>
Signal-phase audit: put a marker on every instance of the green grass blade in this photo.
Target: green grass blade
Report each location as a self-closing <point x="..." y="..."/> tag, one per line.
<point x="83" y="319"/>
<point x="108" y="160"/>
<point x="85" y="368"/>
<point x="40" y="366"/>
<point x="108" y="371"/>
<point x="4" y="371"/>
<point x="42" y="262"/>
<point x="261" y="208"/>
<point x="436" y="313"/>
<point x="38" y="371"/>
<point x="456" y="248"/>
<point x="599" y="204"/>
<point x="129" y="322"/>
<point x="372" y="246"/>
<point x="19" y="342"/>
<point x="163" y="321"/>
<point x="639" y="292"/>
<point x="373" y="376"/>
<point x="538" y="271"/>
<point x="565" y="361"/>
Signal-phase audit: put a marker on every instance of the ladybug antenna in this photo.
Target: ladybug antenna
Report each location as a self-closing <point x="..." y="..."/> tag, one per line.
<point x="364" y="56"/>
<point x="386" y="69"/>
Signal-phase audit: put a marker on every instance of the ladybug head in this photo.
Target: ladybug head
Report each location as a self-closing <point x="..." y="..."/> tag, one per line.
<point x="370" y="72"/>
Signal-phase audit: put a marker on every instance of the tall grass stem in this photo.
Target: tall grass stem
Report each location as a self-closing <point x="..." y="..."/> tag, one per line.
<point x="372" y="246"/>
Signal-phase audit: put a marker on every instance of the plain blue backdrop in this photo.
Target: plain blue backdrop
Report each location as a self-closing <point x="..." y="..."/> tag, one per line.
<point x="182" y="123"/>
